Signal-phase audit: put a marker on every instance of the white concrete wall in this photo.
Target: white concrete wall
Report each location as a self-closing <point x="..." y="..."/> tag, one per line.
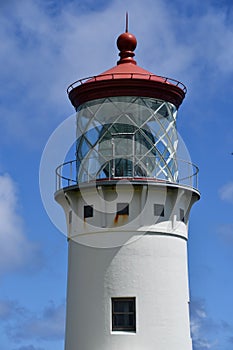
<point x="152" y="268"/>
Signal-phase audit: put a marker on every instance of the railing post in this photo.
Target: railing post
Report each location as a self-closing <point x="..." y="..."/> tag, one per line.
<point x="70" y="178"/>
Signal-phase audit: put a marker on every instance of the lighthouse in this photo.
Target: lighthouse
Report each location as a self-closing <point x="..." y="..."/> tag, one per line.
<point x="127" y="197"/>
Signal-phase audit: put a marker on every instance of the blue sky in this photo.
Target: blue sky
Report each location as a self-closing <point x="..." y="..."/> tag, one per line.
<point x="45" y="46"/>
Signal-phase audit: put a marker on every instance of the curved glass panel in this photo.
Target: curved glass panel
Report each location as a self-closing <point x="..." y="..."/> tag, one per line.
<point x="126" y="137"/>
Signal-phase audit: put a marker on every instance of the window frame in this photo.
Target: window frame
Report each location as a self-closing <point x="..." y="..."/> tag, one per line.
<point x="123" y="328"/>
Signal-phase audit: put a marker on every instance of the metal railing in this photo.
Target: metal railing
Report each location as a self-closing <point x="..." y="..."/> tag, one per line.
<point x="113" y="76"/>
<point x="171" y="170"/>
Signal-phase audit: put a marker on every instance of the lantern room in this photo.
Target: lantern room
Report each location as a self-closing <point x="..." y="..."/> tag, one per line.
<point x="126" y="125"/>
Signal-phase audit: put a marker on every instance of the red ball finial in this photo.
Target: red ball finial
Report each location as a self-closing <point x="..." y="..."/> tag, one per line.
<point x="126" y="43"/>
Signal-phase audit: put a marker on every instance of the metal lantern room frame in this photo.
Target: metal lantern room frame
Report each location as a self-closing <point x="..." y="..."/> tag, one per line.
<point x="126" y="137"/>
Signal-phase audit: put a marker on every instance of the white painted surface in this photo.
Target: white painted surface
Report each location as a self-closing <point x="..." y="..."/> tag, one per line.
<point x="152" y="268"/>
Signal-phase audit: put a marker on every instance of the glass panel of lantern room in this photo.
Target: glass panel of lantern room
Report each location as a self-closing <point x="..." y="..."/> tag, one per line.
<point x="122" y="152"/>
<point x="126" y="137"/>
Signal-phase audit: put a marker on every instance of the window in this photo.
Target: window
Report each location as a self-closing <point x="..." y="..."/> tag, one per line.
<point x="123" y="314"/>
<point x="70" y="216"/>
<point x="88" y="211"/>
<point x="122" y="209"/>
<point x="158" y="209"/>
<point x="182" y="217"/>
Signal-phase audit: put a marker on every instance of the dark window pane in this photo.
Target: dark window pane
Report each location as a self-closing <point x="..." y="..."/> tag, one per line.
<point x="88" y="211"/>
<point x="124" y="320"/>
<point x="122" y="208"/>
<point x="119" y="320"/>
<point x="182" y="215"/>
<point x="124" y="306"/>
<point x="131" y="320"/>
<point x="158" y="209"/>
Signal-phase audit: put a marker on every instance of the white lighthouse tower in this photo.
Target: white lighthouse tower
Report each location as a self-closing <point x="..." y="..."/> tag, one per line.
<point x="127" y="198"/>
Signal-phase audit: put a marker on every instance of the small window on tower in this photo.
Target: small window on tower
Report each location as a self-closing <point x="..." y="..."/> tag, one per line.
<point x="70" y="216"/>
<point x="88" y="211"/>
<point x="122" y="209"/>
<point x="123" y="314"/>
<point x="158" y="209"/>
<point x="182" y="216"/>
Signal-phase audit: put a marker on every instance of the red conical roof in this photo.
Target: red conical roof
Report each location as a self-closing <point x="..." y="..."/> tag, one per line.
<point x="126" y="79"/>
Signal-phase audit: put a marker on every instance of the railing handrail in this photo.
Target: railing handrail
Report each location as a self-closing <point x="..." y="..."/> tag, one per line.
<point x="72" y="179"/>
<point x="131" y="75"/>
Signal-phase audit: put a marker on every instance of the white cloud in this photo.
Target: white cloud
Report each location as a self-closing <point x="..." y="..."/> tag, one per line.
<point x="208" y="333"/>
<point x="226" y="192"/>
<point x="48" y="326"/>
<point x="10" y="308"/>
<point x="15" y="249"/>
<point x="202" y="327"/>
<point x="43" y="52"/>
